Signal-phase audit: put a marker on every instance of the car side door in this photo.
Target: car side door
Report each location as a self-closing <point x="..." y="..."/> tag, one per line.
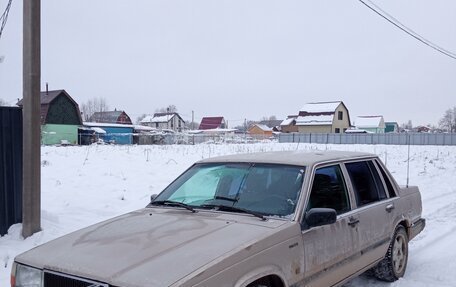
<point x="329" y="249"/>
<point x="374" y="211"/>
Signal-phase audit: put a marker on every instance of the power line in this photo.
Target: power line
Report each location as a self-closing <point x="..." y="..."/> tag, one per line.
<point x="4" y="17"/>
<point x="405" y="29"/>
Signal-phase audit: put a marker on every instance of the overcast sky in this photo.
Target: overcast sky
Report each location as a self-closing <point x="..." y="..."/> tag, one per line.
<point x="242" y="58"/>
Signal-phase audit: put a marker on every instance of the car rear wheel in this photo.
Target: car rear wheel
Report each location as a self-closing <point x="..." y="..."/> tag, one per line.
<point x="393" y="266"/>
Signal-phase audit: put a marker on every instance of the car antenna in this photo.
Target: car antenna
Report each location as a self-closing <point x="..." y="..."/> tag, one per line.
<point x="408" y="162"/>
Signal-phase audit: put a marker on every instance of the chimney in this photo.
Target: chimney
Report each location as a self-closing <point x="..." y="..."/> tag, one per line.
<point x="47" y="89"/>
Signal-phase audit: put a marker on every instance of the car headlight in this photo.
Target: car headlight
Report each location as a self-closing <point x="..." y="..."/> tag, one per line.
<point x="24" y="276"/>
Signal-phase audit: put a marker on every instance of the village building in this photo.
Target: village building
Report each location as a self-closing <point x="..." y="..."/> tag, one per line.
<point x="60" y="118"/>
<point x="319" y="117"/>
<point x="210" y="123"/>
<point x="171" y="121"/>
<point x="391" y="127"/>
<point x="260" y="130"/>
<point x="373" y="124"/>
<point x="289" y="125"/>
<point x="111" y="117"/>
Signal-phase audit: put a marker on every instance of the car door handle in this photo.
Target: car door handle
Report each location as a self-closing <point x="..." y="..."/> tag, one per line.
<point x="389" y="207"/>
<point x="353" y="221"/>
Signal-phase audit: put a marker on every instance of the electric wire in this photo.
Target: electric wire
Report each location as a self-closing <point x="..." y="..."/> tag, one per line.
<point x="4" y="17"/>
<point x="405" y="29"/>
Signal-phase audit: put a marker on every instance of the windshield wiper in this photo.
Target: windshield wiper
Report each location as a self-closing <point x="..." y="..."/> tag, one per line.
<point x="173" y="203"/>
<point x="235" y="209"/>
<point x="226" y="198"/>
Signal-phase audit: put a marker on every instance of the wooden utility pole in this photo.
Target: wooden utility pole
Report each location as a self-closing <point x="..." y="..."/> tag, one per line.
<point x="31" y="191"/>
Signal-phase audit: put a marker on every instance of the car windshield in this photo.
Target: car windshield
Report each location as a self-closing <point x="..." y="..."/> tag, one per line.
<point x="267" y="189"/>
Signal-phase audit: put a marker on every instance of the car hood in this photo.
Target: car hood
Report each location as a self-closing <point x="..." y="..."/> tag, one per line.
<point x="150" y="247"/>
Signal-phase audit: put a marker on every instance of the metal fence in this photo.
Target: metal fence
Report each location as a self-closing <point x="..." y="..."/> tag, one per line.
<point x="10" y="167"/>
<point x="386" y="139"/>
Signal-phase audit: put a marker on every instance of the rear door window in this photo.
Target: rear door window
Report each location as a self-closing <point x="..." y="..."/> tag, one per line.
<point x="389" y="185"/>
<point x="366" y="182"/>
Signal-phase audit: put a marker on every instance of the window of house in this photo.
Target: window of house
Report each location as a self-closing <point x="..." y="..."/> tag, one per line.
<point x="337" y="130"/>
<point x="366" y="182"/>
<point x="329" y="190"/>
<point x="156" y="125"/>
<point x="172" y="124"/>
<point x="340" y="115"/>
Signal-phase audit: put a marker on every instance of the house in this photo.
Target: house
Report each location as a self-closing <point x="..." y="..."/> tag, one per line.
<point x="373" y="124"/>
<point x="209" y="123"/>
<point x="391" y="127"/>
<point x="323" y="117"/>
<point x="274" y="124"/>
<point x="60" y="118"/>
<point x="261" y="130"/>
<point x="289" y="125"/>
<point x="171" y="121"/>
<point x="111" y="117"/>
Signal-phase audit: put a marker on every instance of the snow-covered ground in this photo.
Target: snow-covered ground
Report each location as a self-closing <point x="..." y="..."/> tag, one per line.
<point x="85" y="185"/>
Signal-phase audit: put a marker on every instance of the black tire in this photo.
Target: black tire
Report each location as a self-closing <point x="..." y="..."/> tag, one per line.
<point x="393" y="266"/>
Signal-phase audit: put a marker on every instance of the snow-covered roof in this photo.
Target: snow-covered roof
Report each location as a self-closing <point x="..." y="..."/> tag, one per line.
<point x="368" y="121"/>
<point x="264" y="127"/>
<point x="157" y="119"/>
<point x="90" y="124"/>
<point x="314" y="120"/>
<point x="287" y="122"/>
<point x="146" y="119"/>
<point x="321" y="107"/>
<point x="357" y="131"/>
<point x="98" y="130"/>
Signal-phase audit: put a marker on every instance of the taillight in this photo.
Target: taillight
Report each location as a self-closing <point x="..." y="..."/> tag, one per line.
<point x="13" y="281"/>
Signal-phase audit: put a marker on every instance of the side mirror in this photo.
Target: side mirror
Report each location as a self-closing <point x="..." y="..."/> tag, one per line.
<point x="320" y="216"/>
<point x="153" y="196"/>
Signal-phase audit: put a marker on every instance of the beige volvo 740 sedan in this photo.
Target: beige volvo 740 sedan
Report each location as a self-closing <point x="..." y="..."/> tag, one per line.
<point x="262" y="219"/>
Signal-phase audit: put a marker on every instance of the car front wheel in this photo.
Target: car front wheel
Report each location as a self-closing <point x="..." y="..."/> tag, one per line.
<point x="393" y="266"/>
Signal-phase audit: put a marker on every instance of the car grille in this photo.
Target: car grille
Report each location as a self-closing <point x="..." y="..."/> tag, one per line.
<point x="52" y="279"/>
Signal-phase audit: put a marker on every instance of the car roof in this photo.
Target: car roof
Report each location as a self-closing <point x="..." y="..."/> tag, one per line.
<point x="301" y="158"/>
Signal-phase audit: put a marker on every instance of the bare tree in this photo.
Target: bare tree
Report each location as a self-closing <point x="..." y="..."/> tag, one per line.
<point x="168" y="109"/>
<point x="92" y="106"/>
<point x="140" y="118"/>
<point x="3" y="103"/>
<point x="448" y="121"/>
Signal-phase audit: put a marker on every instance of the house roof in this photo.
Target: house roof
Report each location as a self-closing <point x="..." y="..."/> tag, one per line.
<point x="271" y="123"/>
<point x="107" y="125"/>
<point x="263" y="127"/>
<point x="106" y="117"/>
<point x="320" y="107"/>
<point x="160" y="118"/>
<point x="211" y="123"/>
<point x="287" y="122"/>
<point x="318" y="113"/>
<point x="46" y="99"/>
<point x="368" y="121"/>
